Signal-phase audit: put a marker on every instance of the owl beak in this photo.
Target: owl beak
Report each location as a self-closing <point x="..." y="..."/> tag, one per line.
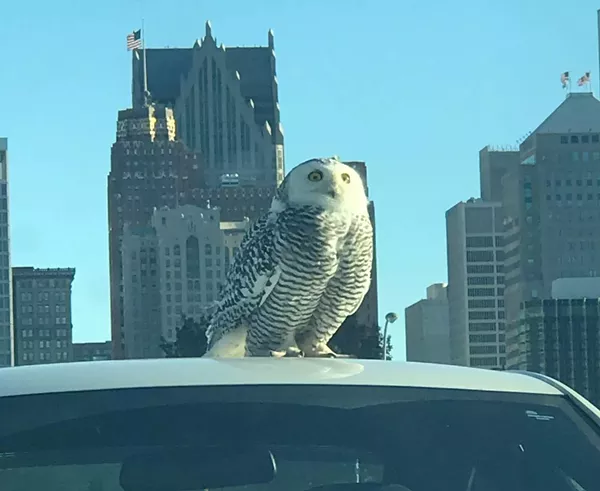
<point x="333" y="191"/>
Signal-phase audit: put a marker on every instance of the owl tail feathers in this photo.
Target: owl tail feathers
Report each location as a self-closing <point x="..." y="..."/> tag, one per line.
<point x="232" y="344"/>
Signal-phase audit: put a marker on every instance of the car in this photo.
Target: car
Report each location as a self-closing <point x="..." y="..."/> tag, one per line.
<point x="291" y="424"/>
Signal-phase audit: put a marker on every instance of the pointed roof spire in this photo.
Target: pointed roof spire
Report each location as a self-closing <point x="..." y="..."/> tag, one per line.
<point x="208" y="29"/>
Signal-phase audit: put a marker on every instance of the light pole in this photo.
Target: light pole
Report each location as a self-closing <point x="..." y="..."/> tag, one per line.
<point x="390" y="318"/>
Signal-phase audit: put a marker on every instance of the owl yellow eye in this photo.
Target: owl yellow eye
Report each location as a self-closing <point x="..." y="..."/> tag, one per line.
<point x="346" y="178"/>
<point x="315" y="176"/>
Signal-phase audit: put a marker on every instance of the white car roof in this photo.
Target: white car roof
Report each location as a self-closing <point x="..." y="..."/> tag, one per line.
<point x="187" y="372"/>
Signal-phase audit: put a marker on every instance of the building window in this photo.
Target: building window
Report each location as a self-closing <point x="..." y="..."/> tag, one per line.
<point x="480" y="241"/>
<point x="192" y="252"/>
<point x="480" y="256"/>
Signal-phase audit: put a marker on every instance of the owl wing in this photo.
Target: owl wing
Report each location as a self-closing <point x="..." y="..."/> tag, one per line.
<point x="250" y="279"/>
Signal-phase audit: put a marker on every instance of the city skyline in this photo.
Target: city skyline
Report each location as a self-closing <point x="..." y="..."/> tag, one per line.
<point x="459" y="121"/>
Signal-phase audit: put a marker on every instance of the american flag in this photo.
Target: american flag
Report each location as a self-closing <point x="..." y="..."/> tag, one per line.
<point x="134" y="40"/>
<point x="564" y="79"/>
<point x="584" y="80"/>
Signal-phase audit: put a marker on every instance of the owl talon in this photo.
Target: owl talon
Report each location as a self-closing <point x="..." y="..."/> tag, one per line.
<point x="277" y="354"/>
<point x="323" y="351"/>
<point x="294" y="352"/>
<point x="287" y="353"/>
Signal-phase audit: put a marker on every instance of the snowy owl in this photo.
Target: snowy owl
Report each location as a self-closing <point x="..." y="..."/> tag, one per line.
<point x="301" y="270"/>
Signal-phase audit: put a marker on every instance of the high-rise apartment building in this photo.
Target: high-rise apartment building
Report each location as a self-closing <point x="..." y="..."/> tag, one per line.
<point x="427" y="327"/>
<point x="42" y="315"/>
<point x="226" y="105"/>
<point x="6" y="331"/>
<point x="171" y="268"/>
<point x="552" y="210"/>
<point x="476" y="283"/>
<point x="149" y="169"/>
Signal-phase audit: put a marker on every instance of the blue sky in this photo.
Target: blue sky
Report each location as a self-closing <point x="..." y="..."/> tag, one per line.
<point x="414" y="88"/>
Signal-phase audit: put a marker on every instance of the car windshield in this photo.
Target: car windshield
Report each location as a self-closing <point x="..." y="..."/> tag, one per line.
<point x="295" y="438"/>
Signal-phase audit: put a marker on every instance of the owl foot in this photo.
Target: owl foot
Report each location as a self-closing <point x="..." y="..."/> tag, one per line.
<point x="291" y="352"/>
<point x="322" y="351"/>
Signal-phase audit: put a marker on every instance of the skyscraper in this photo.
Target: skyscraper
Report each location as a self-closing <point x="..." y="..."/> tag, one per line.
<point x="476" y="283"/>
<point x="428" y="327"/>
<point x="6" y="332"/>
<point x="42" y="315"/>
<point x="149" y="169"/>
<point x="552" y="210"/>
<point x="226" y="105"/>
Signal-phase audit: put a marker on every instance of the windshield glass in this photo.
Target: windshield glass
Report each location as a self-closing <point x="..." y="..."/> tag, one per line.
<point x="423" y="439"/>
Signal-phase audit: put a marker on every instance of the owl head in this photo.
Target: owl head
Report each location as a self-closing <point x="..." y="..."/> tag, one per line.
<point x="326" y="183"/>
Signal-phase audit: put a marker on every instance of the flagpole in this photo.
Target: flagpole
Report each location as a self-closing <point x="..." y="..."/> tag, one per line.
<point x="598" y="35"/>
<point x="144" y="62"/>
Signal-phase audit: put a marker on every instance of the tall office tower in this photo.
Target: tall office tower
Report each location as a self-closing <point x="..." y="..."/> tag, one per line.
<point x="171" y="268"/>
<point x="226" y="105"/>
<point x="476" y="283"/>
<point x="42" y="315"/>
<point x="6" y="331"/>
<point x="428" y="327"/>
<point x="552" y="211"/>
<point x="149" y="169"/>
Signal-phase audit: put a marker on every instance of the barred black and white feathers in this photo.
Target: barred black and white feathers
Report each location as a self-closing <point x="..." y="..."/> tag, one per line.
<point x="301" y="270"/>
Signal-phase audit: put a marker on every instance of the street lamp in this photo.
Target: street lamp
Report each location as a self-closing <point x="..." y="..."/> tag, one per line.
<point x="390" y="318"/>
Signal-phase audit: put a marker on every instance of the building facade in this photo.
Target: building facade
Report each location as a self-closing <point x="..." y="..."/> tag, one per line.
<point x="149" y="169"/>
<point x="427" y="327"/>
<point x="226" y="105"/>
<point x="476" y="284"/>
<point x="6" y="321"/>
<point x="142" y="327"/>
<point x="92" y="351"/>
<point x="552" y="210"/>
<point x="174" y="267"/>
<point x="42" y="315"/>
<point x="561" y="338"/>
<point x="494" y="164"/>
